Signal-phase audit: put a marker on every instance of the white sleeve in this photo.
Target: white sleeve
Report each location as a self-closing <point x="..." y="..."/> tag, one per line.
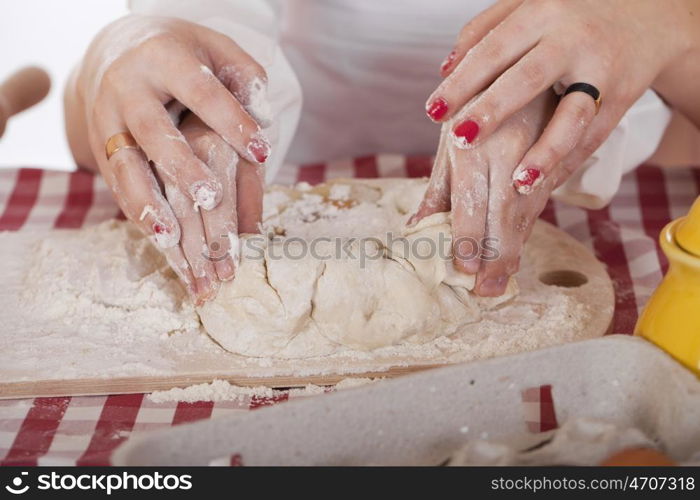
<point x="632" y="142"/>
<point x="254" y="26"/>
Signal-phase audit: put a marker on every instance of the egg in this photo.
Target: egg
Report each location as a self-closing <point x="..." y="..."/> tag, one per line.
<point x="636" y="457"/>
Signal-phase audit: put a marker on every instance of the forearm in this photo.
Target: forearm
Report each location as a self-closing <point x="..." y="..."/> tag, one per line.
<point x="678" y="82"/>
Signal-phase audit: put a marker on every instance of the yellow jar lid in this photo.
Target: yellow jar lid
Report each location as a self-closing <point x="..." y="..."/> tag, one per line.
<point x="688" y="232"/>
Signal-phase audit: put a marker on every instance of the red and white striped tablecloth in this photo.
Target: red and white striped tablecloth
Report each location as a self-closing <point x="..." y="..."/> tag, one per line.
<point x="84" y="430"/>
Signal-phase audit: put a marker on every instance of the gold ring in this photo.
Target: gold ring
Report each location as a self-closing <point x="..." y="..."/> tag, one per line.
<point x="122" y="140"/>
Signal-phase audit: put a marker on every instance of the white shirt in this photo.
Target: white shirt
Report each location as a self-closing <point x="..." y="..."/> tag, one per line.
<point x="365" y="69"/>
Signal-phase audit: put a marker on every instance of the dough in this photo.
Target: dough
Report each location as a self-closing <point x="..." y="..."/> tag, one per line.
<point x="336" y="268"/>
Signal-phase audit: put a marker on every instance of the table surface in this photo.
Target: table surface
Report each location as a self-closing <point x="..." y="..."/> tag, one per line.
<point x="85" y="430"/>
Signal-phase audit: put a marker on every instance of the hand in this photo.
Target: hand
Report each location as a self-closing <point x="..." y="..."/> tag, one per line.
<point x="517" y="49"/>
<point x="490" y="219"/>
<point x="132" y="71"/>
<point x="240" y="209"/>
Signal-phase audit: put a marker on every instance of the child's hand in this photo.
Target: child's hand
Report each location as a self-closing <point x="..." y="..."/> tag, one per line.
<point x="215" y="255"/>
<point x="493" y="206"/>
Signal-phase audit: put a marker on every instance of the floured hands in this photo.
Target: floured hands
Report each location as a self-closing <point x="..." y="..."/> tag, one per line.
<point x="181" y="187"/>
<point x="240" y="210"/>
<point x="491" y="220"/>
<point x="517" y="49"/>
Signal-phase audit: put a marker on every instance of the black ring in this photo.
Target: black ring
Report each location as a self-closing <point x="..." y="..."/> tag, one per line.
<point x="586" y="88"/>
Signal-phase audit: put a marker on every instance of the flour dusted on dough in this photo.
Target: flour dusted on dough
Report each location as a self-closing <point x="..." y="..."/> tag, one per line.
<point x="310" y="291"/>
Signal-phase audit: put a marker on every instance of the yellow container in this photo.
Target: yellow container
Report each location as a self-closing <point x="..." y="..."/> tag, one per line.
<point x="671" y="319"/>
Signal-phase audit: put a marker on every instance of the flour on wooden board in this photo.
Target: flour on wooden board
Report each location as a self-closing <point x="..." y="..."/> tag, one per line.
<point x="221" y="390"/>
<point x="101" y="302"/>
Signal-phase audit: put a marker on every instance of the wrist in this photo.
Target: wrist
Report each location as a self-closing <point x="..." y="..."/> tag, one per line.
<point x="677" y="80"/>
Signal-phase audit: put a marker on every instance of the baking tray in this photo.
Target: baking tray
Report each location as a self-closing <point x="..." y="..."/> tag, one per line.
<point x="422" y="419"/>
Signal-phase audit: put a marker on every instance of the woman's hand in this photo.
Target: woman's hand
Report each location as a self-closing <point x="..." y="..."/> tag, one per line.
<point x="517" y="49"/>
<point x="490" y="219"/>
<point x="189" y="199"/>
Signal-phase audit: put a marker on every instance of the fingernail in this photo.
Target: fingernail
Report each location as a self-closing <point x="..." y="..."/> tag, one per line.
<point x="527" y="179"/>
<point x="259" y="149"/>
<point x="470" y="266"/>
<point x="225" y="269"/>
<point x="165" y="238"/>
<point x="493" y="287"/>
<point x="449" y="60"/>
<point x="466" y="132"/>
<point x="204" y="195"/>
<point x="206" y="288"/>
<point x="437" y="109"/>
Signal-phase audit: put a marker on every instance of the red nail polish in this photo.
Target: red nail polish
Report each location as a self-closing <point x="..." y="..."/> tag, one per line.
<point x="259" y="149"/>
<point x="164" y="236"/>
<point x="467" y="130"/>
<point x="449" y="60"/>
<point x="437" y="109"/>
<point x="526" y="179"/>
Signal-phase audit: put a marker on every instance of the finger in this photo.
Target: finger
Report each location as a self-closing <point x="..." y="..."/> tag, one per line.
<point x="242" y="75"/>
<point x="469" y="200"/>
<point x="594" y="137"/>
<point x="509" y="227"/>
<point x="475" y="30"/>
<point x="197" y="88"/>
<point x="503" y="257"/>
<point x="250" y="185"/>
<point x="511" y="92"/>
<point x="506" y="228"/>
<point x="437" y="194"/>
<point x="193" y="243"/>
<point x="139" y="196"/>
<point x="164" y="145"/>
<point x="177" y="261"/>
<point x="138" y="193"/>
<point x="495" y="53"/>
<point x="567" y="127"/>
<point x="510" y="221"/>
<point x="221" y="223"/>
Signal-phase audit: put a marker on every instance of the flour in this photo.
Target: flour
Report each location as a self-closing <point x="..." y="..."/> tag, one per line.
<point x="221" y="390"/>
<point x="115" y="293"/>
<point x="101" y="302"/>
<point x="256" y="103"/>
<point x="218" y="390"/>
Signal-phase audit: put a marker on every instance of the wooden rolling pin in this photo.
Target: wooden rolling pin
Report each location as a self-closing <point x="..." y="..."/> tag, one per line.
<point x="20" y="91"/>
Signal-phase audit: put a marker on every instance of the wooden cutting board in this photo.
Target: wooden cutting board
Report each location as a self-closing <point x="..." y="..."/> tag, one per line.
<point x="551" y="259"/>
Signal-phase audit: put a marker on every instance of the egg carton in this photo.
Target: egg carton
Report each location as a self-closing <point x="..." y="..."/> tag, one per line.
<point x="598" y="395"/>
